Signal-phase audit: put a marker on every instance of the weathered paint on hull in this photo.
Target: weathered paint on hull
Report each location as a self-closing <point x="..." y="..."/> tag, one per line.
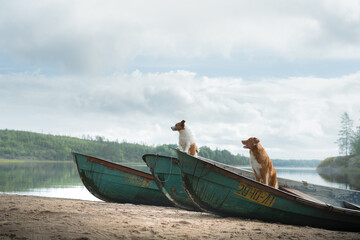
<point x="115" y="183"/>
<point x="167" y="176"/>
<point x="222" y="192"/>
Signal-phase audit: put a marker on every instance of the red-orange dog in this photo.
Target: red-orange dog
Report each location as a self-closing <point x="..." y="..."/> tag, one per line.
<point x="261" y="163"/>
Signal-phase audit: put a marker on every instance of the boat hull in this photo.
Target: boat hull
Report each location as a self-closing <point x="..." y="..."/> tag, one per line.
<point x="112" y="182"/>
<point x="219" y="191"/>
<point x="167" y="176"/>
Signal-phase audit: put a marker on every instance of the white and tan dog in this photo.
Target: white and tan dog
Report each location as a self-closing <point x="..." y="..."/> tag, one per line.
<point x="186" y="139"/>
<point x="260" y="162"/>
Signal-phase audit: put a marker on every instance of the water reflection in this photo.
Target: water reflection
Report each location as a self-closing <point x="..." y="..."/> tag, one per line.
<point x="46" y="178"/>
<point x="350" y="179"/>
<point x="21" y="176"/>
<point x="61" y="179"/>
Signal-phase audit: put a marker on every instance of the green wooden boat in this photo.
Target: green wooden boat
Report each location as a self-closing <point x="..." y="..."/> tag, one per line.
<point x="167" y="176"/>
<point x="226" y="191"/>
<point x="112" y="182"/>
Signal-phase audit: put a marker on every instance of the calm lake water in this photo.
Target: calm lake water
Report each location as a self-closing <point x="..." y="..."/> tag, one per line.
<point x="61" y="179"/>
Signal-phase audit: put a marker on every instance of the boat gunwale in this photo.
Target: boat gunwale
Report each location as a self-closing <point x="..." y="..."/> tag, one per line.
<point x="157" y="155"/>
<point x="114" y="166"/>
<point x="278" y="192"/>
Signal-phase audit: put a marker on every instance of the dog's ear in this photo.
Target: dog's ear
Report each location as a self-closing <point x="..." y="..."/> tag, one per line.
<point x="256" y="140"/>
<point x="183" y="123"/>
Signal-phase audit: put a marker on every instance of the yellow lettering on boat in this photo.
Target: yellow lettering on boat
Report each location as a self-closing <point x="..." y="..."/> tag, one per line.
<point x="255" y="195"/>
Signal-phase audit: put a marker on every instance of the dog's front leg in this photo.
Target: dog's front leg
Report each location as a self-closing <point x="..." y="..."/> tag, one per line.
<point x="267" y="177"/>
<point x="263" y="180"/>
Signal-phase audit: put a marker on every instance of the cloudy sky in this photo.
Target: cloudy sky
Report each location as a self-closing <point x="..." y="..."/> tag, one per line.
<point x="283" y="71"/>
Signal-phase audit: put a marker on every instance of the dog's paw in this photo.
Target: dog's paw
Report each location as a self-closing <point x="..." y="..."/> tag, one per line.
<point x="180" y="149"/>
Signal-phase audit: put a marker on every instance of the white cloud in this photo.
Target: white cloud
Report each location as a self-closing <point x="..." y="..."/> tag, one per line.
<point x="93" y="36"/>
<point x="84" y="49"/>
<point x="294" y="117"/>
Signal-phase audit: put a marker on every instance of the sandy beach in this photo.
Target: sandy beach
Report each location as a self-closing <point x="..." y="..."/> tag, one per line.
<point x="29" y="217"/>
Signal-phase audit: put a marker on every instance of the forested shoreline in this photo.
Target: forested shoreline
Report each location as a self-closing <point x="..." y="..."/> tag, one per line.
<point x="340" y="165"/>
<point x="349" y="144"/>
<point x="29" y="145"/>
<point x="37" y="146"/>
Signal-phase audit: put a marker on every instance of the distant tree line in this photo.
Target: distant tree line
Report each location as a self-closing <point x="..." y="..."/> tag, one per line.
<point x="295" y="163"/>
<point x="28" y="145"/>
<point x="348" y="138"/>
